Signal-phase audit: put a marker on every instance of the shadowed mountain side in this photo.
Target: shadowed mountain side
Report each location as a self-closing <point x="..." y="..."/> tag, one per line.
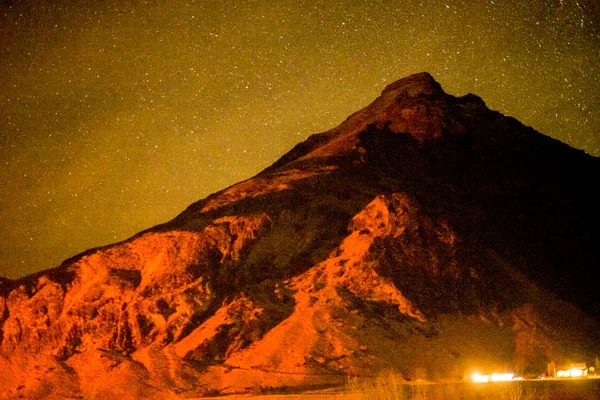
<point x="426" y="233"/>
<point x="526" y="204"/>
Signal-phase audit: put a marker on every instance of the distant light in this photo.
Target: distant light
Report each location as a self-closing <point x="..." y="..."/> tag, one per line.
<point x="502" y="377"/>
<point x="563" y="374"/>
<point x="571" y="373"/>
<point x="575" y="372"/>
<point x="480" y="378"/>
<point x="495" y="377"/>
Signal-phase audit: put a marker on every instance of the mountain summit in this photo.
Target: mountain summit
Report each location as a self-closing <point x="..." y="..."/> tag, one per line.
<point x="426" y="234"/>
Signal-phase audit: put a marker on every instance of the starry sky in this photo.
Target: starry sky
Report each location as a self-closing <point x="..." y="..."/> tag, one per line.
<point x="116" y="115"/>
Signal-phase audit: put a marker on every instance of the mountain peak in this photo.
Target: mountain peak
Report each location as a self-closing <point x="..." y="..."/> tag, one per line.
<point x="415" y="85"/>
<point x="416" y="105"/>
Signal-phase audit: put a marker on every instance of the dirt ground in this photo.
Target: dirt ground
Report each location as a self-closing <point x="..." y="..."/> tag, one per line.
<point x="577" y="389"/>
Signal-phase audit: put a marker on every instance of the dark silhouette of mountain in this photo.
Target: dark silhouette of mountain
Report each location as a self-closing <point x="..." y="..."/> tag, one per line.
<point x="426" y="233"/>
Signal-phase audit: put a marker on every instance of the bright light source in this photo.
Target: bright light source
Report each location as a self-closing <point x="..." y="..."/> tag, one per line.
<point x="496" y="377"/>
<point x="480" y="378"/>
<point x="576" y="372"/>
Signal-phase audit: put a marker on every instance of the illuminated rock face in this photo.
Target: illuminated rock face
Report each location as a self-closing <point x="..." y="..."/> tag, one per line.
<point x="426" y="233"/>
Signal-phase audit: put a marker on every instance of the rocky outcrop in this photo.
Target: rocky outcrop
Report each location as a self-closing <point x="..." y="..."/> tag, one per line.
<point x="426" y="233"/>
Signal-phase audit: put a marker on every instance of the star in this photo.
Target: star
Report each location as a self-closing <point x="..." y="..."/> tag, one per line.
<point x="117" y="116"/>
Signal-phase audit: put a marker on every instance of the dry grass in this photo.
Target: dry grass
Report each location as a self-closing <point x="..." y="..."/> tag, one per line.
<point x="389" y="385"/>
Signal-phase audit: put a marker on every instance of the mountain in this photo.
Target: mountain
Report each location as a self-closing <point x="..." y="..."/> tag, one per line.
<point x="426" y="233"/>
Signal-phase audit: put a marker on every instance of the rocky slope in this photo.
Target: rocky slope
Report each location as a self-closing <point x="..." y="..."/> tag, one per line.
<point x="426" y="233"/>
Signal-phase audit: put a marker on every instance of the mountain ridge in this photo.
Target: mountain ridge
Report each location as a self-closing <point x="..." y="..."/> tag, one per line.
<point x="426" y="233"/>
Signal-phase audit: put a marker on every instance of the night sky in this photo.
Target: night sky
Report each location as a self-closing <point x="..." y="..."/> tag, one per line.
<point x="115" y="116"/>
